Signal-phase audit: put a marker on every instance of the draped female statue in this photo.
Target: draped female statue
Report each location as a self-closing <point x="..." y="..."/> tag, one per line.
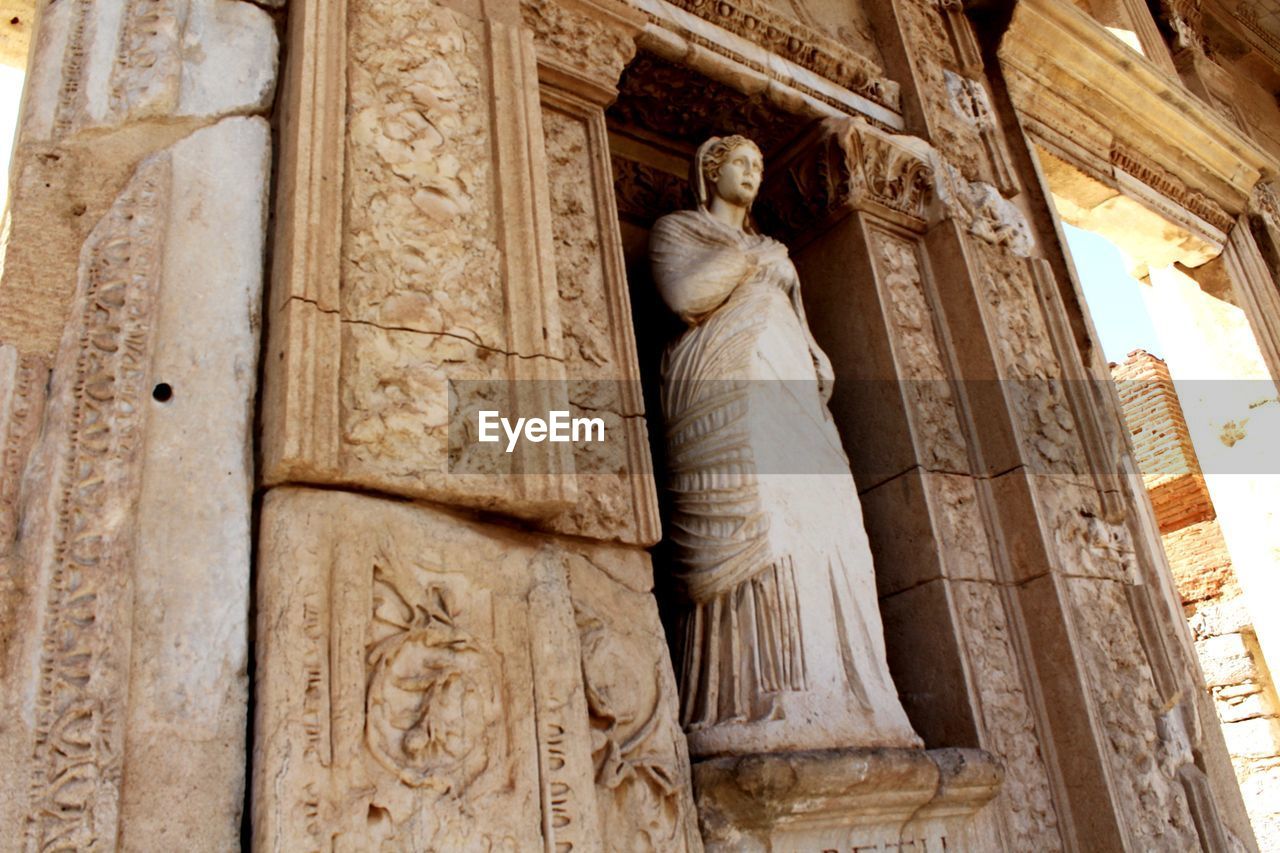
<point x="782" y="642"/>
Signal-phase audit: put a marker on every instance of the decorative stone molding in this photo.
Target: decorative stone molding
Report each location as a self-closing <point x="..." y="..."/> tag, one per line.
<point x="699" y="42"/>
<point x="1142" y="168"/>
<point x="1066" y="71"/>
<point x="786" y="37"/>
<point x="100" y="67"/>
<point x="927" y="800"/>
<point x="116" y="712"/>
<point x="22" y="399"/>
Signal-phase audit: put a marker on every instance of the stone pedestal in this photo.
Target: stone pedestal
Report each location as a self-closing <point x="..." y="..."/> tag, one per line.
<point x="849" y="800"/>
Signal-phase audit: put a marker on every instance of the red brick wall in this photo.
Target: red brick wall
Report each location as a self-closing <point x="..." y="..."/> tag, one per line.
<point x="1162" y="442"/>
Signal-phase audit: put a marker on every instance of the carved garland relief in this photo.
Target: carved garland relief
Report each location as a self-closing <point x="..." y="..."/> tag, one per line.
<point x="435" y="684"/>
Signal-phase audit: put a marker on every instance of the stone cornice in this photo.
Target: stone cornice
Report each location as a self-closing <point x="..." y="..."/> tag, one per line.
<point x="1057" y="48"/>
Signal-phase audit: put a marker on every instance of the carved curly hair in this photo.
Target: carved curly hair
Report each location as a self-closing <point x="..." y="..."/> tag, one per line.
<point x="711" y="155"/>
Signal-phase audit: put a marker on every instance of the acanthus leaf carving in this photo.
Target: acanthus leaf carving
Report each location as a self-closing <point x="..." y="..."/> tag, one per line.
<point x="570" y="40"/>
<point x="850" y="165"/>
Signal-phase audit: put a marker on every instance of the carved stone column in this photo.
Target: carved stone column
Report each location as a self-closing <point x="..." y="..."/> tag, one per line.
<point x="129" y="319"/>
<point x="865" y="200"/>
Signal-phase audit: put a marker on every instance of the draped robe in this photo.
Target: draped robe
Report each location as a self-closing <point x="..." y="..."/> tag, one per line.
<point x="782" y="644"/>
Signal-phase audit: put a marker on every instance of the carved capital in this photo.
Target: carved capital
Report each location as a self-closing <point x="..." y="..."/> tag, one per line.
<point x="847" y="166"/>
<point x="583" y="45"/>
<point x="1265" y="202"/>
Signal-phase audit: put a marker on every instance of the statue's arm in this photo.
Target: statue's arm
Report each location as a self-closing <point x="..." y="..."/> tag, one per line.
<point x="694" y="279"/>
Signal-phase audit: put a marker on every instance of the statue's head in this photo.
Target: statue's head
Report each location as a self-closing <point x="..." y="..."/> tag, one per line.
<point x="730" y="167"/>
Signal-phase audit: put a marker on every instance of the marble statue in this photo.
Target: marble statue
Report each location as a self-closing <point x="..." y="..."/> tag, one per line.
<point x="783" y="647"/>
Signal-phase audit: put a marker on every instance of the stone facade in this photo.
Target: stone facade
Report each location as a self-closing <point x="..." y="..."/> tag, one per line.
<point x="261" y="584"/>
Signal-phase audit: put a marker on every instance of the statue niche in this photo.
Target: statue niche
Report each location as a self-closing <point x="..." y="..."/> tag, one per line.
<point x="782" y="644"/>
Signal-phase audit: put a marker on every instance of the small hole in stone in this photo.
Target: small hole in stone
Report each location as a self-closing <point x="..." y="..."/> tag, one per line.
<point x="15" y="20"/>
<point x="162" y="393"/>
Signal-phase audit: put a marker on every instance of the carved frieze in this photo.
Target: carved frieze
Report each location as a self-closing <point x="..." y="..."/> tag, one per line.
<point x="1129" y="709"/>
<point x="616" y="494"/>
<point x="786" y="37"/>
<point x="79" y="745"/>
<point x="1031" y="376"/>
<point x="931" y="406"/>
<point x="1145" y="170"/>
<point x="1008" y="719"/>
<point x="446" y="270"/>
<point x="430" y="683"/>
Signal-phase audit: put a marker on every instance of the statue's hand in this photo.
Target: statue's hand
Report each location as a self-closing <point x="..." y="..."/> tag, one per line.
<point x="826" y="375"/>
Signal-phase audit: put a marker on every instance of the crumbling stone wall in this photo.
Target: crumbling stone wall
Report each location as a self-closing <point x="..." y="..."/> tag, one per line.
<point x="1221" y="625"/>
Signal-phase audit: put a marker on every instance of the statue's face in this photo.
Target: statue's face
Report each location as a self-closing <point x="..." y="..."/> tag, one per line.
<point x="740" y="174"/>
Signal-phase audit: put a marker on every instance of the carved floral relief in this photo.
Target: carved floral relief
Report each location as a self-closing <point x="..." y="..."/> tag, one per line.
<point x="431" y="685"/>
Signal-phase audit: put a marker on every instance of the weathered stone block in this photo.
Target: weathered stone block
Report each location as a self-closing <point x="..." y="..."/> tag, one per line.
<point x="102" y="65"/>
<point x="433" y="683"/>
<point x="126" y="682"/>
